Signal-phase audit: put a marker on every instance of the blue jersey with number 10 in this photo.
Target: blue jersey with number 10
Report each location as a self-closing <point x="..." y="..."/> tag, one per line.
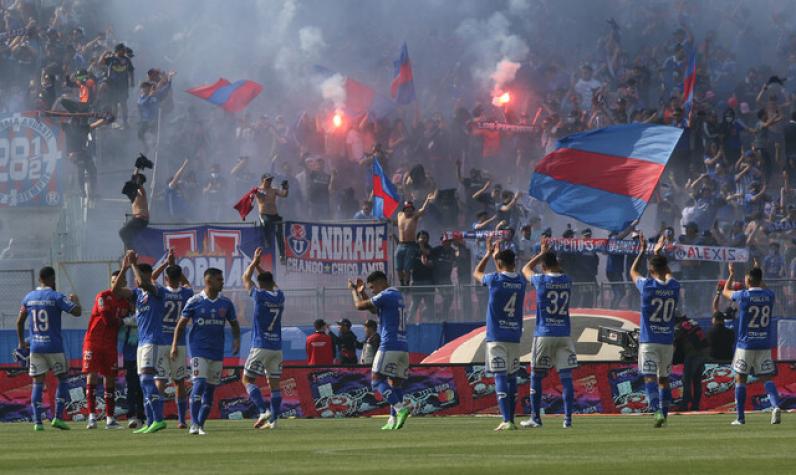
<point x="553" y="292"/>
<point x="504" y="310"/>
<point x="389" y="304"/>
<point x="267" y="321"/>
<point x="755" y="307"/>
<point x="44" y="306"/>
<point x="174" y="301"/>
<point x="658" y="303"/>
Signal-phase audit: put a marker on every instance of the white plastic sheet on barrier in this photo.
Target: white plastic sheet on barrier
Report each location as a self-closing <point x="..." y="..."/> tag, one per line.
<point x="786" y="339"/>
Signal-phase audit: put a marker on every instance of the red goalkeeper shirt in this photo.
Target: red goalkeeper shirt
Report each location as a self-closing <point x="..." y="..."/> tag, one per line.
<point x="106" y="318"/>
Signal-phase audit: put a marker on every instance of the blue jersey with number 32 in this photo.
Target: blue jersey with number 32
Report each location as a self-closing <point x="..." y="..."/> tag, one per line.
<point x="658" y="303"/>
<point x="504" y="310"/>
<point x="174" y="301"/>
<point x="44" y="306"/>
<point x="267" y="321"/>
<point x="389" y="304"/>
<point x="755" y="307"/>
<point x="553" y="292"/>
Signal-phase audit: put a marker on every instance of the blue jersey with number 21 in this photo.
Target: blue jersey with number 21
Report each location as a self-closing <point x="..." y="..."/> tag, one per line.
<point x="755" y="307"/>
<point x="174" y="301"/>
<point x="658" y="303"/>
<point x="389" y="304"/>
<point x="504" y="310"/>
<point x="552" y="304"/>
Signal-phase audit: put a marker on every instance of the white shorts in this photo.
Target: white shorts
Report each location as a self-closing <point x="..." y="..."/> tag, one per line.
<point x="262" y="362"/>
<point x="655" y="358"/>
<point x="167" y="368"/>
<point x="207" y="369"/>
<point x="757" y="362"/>
<point x="41" y="363"/>
<point x="554" y="351"/>
<point x="502" y="356"/>
<point x="146" y="356"/>
<point x="393" y="364"/>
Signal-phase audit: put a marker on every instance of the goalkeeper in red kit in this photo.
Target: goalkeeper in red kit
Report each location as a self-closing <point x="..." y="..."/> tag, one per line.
<point x="99" y="346"/>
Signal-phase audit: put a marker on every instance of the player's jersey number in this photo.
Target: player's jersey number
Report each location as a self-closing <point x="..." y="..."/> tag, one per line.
<point x="510" y="309"/>
<point x="40" y="320"/>
<point x="557" y="302"/>
<point x="761" y="316"/>
<point x="663" y="310"/>
<point x="173" y="311"/>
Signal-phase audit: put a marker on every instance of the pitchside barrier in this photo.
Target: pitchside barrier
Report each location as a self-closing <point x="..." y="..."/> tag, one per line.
<point x="333" y="392"/>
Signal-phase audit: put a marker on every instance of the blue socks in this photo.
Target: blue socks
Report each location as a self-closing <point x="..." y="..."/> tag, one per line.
<point x="502" y="393"/>
<point x="197" y="391"/>
<point x="653" y="395"/>
<point x="568" y="393"/>
<point x="181" y="407"/>
<point x="256" y="397"/>
<point x="153" y="403"/>
<point x="392" y="395"/>
<point x="773" y="396"/>
<point x="512" y="395"/>
<point x="61" y="395"/>
<point x="276" y="405"/>
<point x="536" y="395"/>
<point x="207" y="404"/>
<point x="740" y="400"/>
<point x="36" y="396"/>
<point x="666" y="398"/>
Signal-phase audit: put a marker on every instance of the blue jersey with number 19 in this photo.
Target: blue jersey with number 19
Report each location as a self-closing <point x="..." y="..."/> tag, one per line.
<point x="504" y="310"/>
<point x="658" y="303"/>
<point x="44" y="306"/>
<point x="174" y="301"/>
<point x="553" y="292"/>
<point x="755" y="307"/>
<point x="389" y="304"/>
<point x="267" y="321"/>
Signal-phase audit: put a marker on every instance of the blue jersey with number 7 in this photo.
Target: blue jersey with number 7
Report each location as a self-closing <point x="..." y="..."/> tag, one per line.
<point x="174" y="301"/>
<point x="504" y="310"/>
<point x="553" y="292"/>
<point x="755" y="307"/>
<point x="389" y="305"/>
<point x="267" y="321"/>
<point x="658" y="303"/>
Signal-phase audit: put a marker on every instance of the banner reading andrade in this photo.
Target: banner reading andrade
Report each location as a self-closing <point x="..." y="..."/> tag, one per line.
<point x="341" y="249"/>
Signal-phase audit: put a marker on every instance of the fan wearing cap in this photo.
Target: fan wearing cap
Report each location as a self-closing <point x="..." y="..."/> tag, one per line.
<point x="346" y="343"/>
<point x="269" y="215"/>
<point x="371" y="343"/>
<point x="408" y="248"/>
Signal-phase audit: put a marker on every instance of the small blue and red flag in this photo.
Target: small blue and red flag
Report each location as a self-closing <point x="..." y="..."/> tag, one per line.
<point x="402" y="88"/>
<point x="605" y="177"/>
<point x="232" y="97"/>
<point x="385" y="196"/>
<point x="689" y="82"/>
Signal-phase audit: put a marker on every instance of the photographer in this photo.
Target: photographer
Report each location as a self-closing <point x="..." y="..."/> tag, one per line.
<point x="269" y="215"/>
<point x="690" y="350"/>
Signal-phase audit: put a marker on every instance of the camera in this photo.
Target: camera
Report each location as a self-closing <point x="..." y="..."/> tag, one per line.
<point x="142" y="162"/>
<point x="626" y="339"/>
<point x="284" y="184"/>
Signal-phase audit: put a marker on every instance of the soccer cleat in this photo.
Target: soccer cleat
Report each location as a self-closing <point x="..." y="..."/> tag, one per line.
<point x="59" y="424"/>
<point x="113" y="425"/>
<point x="133" y="423"/>
<point x="737" y="422"/>
<point x="390" y="425"/>
<point x="262" y="420"/>
<point x="194" y="430"/>
<point x="182" y="425"/>
<point x="776" y="415"/>
<point x="200" y="431"/>
<point x="141" y="429"/>
<point x="660" y="420"/>
<point x="567" y="424"/>
<point x="505" y="426"/>
<point x="38" y="427"/>
<point x="531" y="422"/>
<point x="271" y="425"/>
<point x="400" y="417"/>
<point x="155" y="427"/>
<point x="92" y="424"/>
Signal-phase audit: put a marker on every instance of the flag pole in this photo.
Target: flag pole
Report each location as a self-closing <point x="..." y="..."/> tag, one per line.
<point x="155" y="161"/>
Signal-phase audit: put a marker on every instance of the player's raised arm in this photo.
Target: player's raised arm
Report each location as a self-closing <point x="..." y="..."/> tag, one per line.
<point x="634" y="270"/>
<point x="727" y="292"/>
<point x="143" y="283"/>
<point x="478" y="273"/>
<point x="159" y="269"/>
<point x="181" y="324"/>
<point x="361" y="300"/>
<point x="119" y="283"/>
<point x="248" y="283"/>
<point x="527" y="269"/>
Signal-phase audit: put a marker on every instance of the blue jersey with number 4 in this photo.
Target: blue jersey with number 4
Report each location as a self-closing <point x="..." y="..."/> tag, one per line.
<point x="174" y="301"/>
<point x="553" y="292"/>
<point x="267" y="321"/>
<point x="149" y="315"/>
<point x="389" y="305"/>
<point x="755" y="307"/>
<point x="504" y="310"/>
<point x="206" y="337"/>
<point x="44" y="306"/>
<point x="658" y="303"/>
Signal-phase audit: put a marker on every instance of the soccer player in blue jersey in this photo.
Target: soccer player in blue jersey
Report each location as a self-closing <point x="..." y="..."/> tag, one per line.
<point x="503" y="326"/>
<point x="175" y="296"/>
<point x="552" y="344"/>
<point x="754" y="340"/>
<point x="391" y="364"/>
<point x="207" y="312"/>
<point x="149" y="318"/>
<point x="44" y="306"/>
<point x="265" y="355"/>
<point x="660" y="294"/>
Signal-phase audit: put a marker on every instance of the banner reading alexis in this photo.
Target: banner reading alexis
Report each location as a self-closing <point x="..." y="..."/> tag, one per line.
<point x="31" y="161"/>
<point x="680" y="252"/>
<point x="343" y="249"/>
<point x="228" y="248"/>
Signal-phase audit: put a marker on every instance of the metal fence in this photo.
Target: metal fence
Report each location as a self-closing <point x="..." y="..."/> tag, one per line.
<point x="14" y="284"/>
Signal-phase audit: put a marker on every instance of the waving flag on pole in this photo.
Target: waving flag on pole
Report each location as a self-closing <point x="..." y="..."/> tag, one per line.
<point x="605" y="177"/>
<point x="232" y="97"/>
<point x="689" y="83"/>
<point x="402" y="88"/>
<point x="385" y="196"/>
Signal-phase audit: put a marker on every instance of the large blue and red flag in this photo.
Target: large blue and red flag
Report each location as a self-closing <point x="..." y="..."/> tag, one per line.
<point x="360" y="99"/>
<point x="385" y="196"/>
<point x="402" y="88"/>
<point x="232" y="97"/>
<point x="605" y="177"/>
<point x="689" y="82"/>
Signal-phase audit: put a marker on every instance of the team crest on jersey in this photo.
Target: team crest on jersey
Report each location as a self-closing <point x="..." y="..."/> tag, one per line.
<point x="297" y="240"/>
<point x="222" y="312"/>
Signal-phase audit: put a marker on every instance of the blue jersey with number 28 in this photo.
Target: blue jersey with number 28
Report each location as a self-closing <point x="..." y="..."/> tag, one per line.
<point x="504" y="310"/>
<point x="755" y="307"/>
<point x="658" y="303"/>
<point x="389" y="304"/>
<point x="553" y="292"/>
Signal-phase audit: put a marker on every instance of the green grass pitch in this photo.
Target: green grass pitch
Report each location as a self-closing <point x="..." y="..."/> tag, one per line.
<point x="602" y="444"/>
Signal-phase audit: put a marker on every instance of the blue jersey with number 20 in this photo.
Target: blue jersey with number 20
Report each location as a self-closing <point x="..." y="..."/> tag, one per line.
<point x="553" y="292"/>
<point x="504" y="310"/>
<point x="755" y="307"/>
<point x="658" y="303"/>
<point x="389" y="304"/>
